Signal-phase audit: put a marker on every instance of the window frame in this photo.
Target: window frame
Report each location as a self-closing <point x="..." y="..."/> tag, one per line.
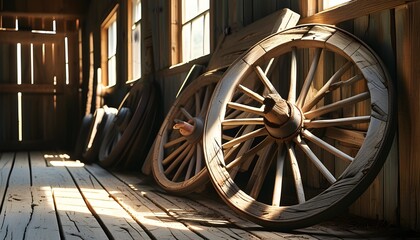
<point x="176" y="26"/>
<point x="106" y="24"/>
<point x="131" y="24"/>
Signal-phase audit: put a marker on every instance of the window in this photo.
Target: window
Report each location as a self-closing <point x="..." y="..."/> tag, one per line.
<point x="109" y="50"/>
<point x="134" y="50"/>
<point x="332" y="3"/>
<point x="192" y="34"/>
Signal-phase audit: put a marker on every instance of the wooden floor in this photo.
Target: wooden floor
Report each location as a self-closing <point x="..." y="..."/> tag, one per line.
<point x="49" y="196"/>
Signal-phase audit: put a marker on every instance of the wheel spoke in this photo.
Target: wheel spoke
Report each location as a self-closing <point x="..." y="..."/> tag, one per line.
<point x="280" y="159"/>
<point x="206" y="100"/>
<point x="186" y="113"/>
<point x="265" y="80"/>
<point x="309" y="78"/>
<point x="198" y="158"/>
<point x="197" y="104"/>
<point x="337" y="105"/>
<point x="188" y="158"/>
<point x="260" y="170"/>
<point x="293" y="77"/>
<point x="257" y="97"/>
<point x="174" y="142"/>
<point x="336" y="122"/>
<point x="251" y="152"/>
<point x="296" y="173"/>
<point x="245" y="137"/>
<point x="321" y="143"/>
<point x="178" y="159"/>
<point x="321" y="93"/>
<point x="174" y="153"/>
<point x="246" y="108"/>
<point x="350" y="81"/>
<point x="243" y="121"/>
<point x="314" y="159"/>
<point x="190" y="167"/>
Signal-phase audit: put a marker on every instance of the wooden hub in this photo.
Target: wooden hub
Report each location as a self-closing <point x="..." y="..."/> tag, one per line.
<point x="282" y="119"/>
<point x="191" y="130"/>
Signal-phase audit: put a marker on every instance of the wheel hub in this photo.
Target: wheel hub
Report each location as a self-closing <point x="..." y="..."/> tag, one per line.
<point x="191" y="130"/>
<point x="282" y="119"/>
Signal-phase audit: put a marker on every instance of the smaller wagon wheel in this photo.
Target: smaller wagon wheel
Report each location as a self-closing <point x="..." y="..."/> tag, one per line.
<point x="178" y="161"/>
<point x="118" y="139"/>
<point x="291" y="146"/>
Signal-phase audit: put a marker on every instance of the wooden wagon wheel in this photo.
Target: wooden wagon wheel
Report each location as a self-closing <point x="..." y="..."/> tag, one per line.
<point x="118" y="138"/>
<point x="288" y="147"/>
<point x="178" y="161"/>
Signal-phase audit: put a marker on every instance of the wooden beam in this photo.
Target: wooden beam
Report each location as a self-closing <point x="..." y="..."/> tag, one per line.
<point x="352" y="10"/>
<point x="29" y="37"/>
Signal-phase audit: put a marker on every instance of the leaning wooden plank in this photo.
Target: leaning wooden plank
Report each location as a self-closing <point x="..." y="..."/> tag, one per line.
<point x="113" y="217"/>
<point x="154" y="219"/>
<point x="203" y="221"/>
<point x="76" y="221"/>
<point x="233" y="45"/>
<point x="16" y="211"/>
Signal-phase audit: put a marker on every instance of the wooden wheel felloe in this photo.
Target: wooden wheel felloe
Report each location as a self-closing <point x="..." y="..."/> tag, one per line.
<point x="288" y="144"/>
<point x="178" y="162"/>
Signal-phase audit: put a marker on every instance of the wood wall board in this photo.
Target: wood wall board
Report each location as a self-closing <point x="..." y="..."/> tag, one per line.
<point x="352" y="10"/>
<point x="31" y="88"/>
<point x="408" y="73"/>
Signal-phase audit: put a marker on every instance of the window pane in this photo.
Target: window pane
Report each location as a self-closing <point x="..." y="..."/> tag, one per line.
<point x="136" y="10"/>
<point x="203" y="5"/>
<point x="112" y="73"/>
<point x="186" y="42"/>
<point x="206" y="33"/>
<point x="331" y="3"/>
<point x="112" y="39"/>
<point x="136" y="51"/>
<point x="197" y="32"/>
<point x="189" y="10"/>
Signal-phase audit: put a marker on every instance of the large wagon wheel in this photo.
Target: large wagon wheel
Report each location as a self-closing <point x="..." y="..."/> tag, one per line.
<point x="287" y="147"/>
<point x="178" y="161"/>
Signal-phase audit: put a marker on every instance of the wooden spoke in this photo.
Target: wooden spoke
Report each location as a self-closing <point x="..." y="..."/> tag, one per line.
<point x="293" y="77"/>
<point x="243" y="121"/>
<point x="267" y="83"/>
<point x="278" y="182"/>
<point x="251" y="93"/>
<point x="198" y="106"/>
<point x="174" y="153"/>
<point x="190" y="169"/>
<point x="187" y="159"/>
<point x="321" y="93"/>
<point x="186" y="113"/>
<point x="337" y="105"/>
<point x="296" y="173"/>
<point x="246" y="108"/>
<point x="309" y="78"/>
<point x="174" y="142"/>
<point x="178" y="159"/>
<point x="251" y="152"/>
<point x="260" y="170"/>
<point x="336" y="122"/>
<point x="314" y="159"/>
<point x="199" y="158"/>
<point x="245" y="137"/>
<point x="347" y="82"/>
<point x="206" y="100"/>
<point x="319" y="142"/>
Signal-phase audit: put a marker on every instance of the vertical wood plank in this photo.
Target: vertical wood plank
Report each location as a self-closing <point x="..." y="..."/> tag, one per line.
<point x="408" y="73"/>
